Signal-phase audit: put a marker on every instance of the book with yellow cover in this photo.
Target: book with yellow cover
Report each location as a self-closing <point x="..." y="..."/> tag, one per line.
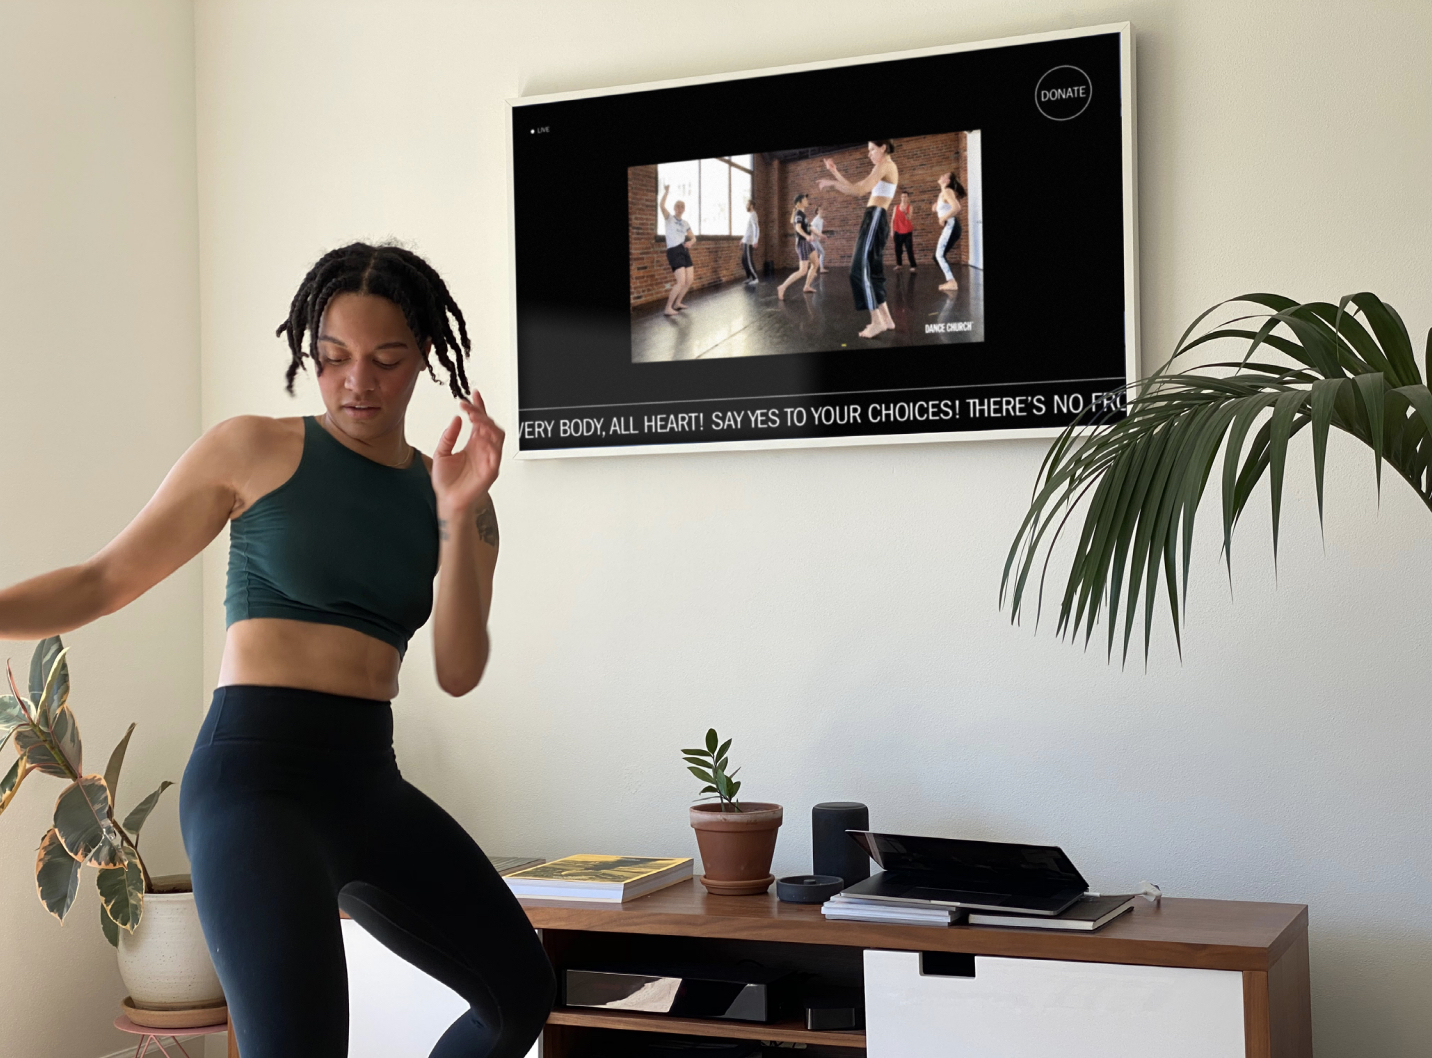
<point x="595" y="877"/>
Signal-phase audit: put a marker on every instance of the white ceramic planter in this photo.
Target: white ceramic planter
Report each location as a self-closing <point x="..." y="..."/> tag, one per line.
<point x="165" y="963"/>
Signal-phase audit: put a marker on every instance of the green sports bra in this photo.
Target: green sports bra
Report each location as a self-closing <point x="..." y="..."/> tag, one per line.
<point x="344" y="541"/>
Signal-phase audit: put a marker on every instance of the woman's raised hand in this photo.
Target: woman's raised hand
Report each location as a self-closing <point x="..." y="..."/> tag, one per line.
<point x="823" y="184"/>
<point x="461" y="478"/>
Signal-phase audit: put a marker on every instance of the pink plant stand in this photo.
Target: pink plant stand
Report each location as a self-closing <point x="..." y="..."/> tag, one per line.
<point x="147" y="1036"/>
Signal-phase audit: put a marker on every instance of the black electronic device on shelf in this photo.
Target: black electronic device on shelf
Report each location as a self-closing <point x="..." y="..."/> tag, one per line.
<point x="830" y="1009"/>
<point x="736" y="993"/>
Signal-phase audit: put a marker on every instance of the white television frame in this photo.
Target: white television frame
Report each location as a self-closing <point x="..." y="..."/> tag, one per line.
<point x="1131" y="264"/>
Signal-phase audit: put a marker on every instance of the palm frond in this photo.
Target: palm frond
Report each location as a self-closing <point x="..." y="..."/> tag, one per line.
<point x="1138" y="474"/>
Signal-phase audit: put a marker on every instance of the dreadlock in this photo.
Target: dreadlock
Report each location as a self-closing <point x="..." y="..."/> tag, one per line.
<point x="389" y="272"/>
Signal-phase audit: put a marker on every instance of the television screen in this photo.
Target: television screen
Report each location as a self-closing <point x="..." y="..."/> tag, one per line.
<point x="928" y="246"/>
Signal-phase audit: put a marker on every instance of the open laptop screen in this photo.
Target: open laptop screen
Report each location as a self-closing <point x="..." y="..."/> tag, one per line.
<point x="977" y="866"/>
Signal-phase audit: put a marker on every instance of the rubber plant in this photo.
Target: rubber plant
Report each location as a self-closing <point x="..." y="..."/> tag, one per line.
<point x="709" y="765"/>
<point x="85" y="831"/>
<point x="1138" y="479"/>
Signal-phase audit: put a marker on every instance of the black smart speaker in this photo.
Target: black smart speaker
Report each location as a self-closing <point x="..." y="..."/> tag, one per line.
<point x="833" y="851"/>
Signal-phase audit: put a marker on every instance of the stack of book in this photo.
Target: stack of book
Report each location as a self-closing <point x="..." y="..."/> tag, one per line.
<point x="848" y="908"/>
<point x="1087" y="913"/>
<point x="588" y="877"/>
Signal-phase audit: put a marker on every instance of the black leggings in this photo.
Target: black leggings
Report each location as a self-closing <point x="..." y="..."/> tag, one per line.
<point x="905" y="240"/>
<point x="292" y="807"/>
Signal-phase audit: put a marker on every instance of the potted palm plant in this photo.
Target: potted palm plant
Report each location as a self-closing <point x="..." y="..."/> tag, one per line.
<point x="737" y="841"/>
<point x="1138" y="478"/>
<point x="152" y="921"/>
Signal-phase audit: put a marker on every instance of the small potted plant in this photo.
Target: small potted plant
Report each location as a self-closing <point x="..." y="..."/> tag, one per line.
<point x="165" y="965"/>
<point x="737" y="841"/>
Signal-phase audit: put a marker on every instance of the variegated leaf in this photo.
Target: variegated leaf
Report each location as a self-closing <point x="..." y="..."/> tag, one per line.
<point x="56" y="691"/>
<point x="121" y="890"/>
<point x="11" y="716"/>
<point x="11" y="782"/>
<point x="82" y="819"/>
<point x="140" y="812"/>
<point x="41" y="661"/>
<point x="116" y="761"/>
<point x="65" y="734"/>
<point x="34" y="750"/>
<point x="26" y="706"/>
<point x="57" y="875"/>
<point x="42" y="664"/>
<point x="111" y="931"/>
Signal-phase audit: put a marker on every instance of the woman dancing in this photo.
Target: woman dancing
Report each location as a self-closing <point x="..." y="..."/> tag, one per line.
<point x="679" y="240"/>
<point x="804" y="238"/>
<point x="748" y="244"/>
<point x="817" y="227"/>
<point x="904" y="230"/>
<point x="292" y="805"/>
<point x="947" y="211"/>
<point x="867" y="267"/>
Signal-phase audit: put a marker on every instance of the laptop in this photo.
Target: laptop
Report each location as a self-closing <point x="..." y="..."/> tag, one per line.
<point x="974" y="875"/>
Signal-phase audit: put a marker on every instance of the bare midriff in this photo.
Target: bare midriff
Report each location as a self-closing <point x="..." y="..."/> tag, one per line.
<point x="274" y="652"/>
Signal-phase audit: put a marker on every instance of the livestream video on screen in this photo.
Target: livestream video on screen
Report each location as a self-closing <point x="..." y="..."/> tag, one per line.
<point x="928" y="246"/>
<point x="796" y="251"/>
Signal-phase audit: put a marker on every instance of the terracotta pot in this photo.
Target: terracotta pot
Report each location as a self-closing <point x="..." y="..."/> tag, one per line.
<point x="736" y="847"/>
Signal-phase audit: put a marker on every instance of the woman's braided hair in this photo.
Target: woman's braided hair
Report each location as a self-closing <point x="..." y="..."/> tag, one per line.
<point x="389" y="272"/>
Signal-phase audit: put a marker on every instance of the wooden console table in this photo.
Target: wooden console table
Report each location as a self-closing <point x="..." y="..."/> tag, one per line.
<point x="1266" y="943"/>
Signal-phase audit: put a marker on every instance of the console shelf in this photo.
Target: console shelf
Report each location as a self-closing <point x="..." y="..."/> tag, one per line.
<point x="781" y="1032"/>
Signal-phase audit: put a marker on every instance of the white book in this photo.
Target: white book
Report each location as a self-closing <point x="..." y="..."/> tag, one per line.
<point x="844" y="903"/>
<point x="891" y="920"/>
<point x="895" y="915"/>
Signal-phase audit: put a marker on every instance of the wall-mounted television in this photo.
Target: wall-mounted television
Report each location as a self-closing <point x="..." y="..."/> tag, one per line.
<point x="931" y="245"/>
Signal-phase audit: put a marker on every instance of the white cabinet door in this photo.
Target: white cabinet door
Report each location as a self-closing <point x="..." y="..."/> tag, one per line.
<point x="394" y="1009"/>
<point x="1034" y="1008"/>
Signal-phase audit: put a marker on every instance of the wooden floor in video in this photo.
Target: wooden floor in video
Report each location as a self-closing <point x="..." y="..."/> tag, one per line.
<point x="739" y="320"/>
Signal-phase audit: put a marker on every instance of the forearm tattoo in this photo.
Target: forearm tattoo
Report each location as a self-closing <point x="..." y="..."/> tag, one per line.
<point x="487" y="524"/>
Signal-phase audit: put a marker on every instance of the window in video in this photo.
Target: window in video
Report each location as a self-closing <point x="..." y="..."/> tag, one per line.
<point x="849" y="246"/>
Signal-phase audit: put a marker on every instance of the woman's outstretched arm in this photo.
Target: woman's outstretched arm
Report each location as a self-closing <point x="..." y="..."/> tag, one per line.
<point x="187" y="511"/>
<point x="844" y="186"/>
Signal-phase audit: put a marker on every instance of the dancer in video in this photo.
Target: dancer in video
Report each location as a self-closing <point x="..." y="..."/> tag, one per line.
<point x="867" y="266"/>
<point x="947" y="211"/>
<point x="804" y="238"/>
<point x="817" y="227"/>
<point x="679" y="239"/>
<point x="748" y="244"/>
<point x="292" y="805"/>
<point x="904" y="231"/>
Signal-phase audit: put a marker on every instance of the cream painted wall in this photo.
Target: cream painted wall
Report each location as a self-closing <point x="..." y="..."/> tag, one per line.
<point x="835" y="611"/>
<point x="99" y="394"/>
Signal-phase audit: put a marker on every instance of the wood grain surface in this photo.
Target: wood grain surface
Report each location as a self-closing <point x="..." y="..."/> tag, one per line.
<point x="1204" y="934"/>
